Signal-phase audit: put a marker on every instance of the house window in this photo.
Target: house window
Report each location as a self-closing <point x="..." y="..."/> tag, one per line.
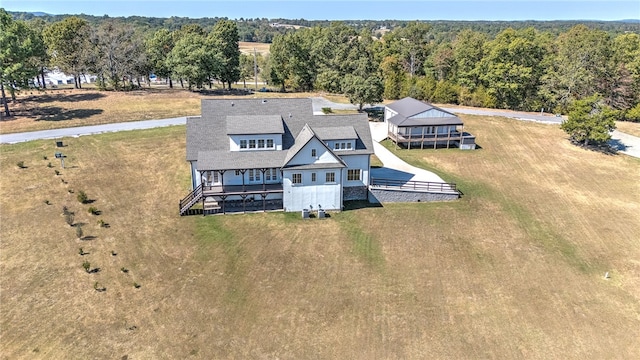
<point x="313" y="177"/>
<point x="251" y="175"/>
<point x="243" y="144"/>
<point x="353" y="174"/>
<point x="270" y="174"/>
<point x="348" y="146"/>
<point x="331" y="177"/>
<point x="343" y="146"/>
<point x="252" y="144"/>
<point x="313" y="153"/>
<point x="296" y="178"/>
<point x="270" y="143"/>
<point x="238" y="172"/>
<point x="216" y="177"/>
<point x="336" y="146"/>
<point x="261" y="144"/>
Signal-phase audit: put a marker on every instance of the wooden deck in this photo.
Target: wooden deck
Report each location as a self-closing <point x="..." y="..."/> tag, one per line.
<point x="432" y="140"/>
<point x="253" y="189"/>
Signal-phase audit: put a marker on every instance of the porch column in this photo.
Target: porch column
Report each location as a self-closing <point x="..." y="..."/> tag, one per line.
<point x="264" y="202"/>
<point x="264" y="186"/>
<point x="422" y="141"/>
<point x="223" y="197"/>
<point x="244" y="204"/>
<point x="242" y="172"/>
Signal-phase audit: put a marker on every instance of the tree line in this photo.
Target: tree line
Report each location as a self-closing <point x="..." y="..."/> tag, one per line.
<point x="520" y="69"/>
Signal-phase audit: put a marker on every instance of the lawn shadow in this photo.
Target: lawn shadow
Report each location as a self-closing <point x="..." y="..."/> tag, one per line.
<point x="360" y="204"/>
<point x="88" y="238"/>
<point x="64" y="97"/>
<point x="54" y="113"/>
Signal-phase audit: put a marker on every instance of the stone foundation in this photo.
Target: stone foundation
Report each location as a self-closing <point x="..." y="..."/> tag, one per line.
<point x="390" y="195"/>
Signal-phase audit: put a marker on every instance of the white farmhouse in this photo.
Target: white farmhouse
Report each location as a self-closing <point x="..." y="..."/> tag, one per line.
<point x="274" y="154"/>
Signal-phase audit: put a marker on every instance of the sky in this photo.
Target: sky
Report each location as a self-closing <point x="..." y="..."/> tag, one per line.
<point x="343" y="10"/>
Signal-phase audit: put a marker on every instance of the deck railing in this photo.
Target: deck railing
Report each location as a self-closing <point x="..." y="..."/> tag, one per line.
<point x="426" y="186"/>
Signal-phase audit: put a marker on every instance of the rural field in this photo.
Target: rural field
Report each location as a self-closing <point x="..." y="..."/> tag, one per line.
<point x="514" y="269"/>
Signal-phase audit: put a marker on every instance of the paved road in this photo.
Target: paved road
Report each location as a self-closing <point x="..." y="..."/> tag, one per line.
<point x="88" y="130"/>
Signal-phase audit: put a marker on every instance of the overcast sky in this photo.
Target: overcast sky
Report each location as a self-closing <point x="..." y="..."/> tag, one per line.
<point x="343" y="10"/>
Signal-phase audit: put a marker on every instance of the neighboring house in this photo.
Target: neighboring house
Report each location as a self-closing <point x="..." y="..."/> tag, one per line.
<point x="274" y="154"/>
<point x="414" y="124"/>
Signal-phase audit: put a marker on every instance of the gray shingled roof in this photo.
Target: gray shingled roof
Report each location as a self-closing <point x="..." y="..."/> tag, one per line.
<point x="408" y="107"/>
<point x="316" y="166"/>
<point x="227" y="160"/>
<point x="434" y="121"/>
<point x="254" y="124"/>
<point x="209" y="132"/>
<point x="336" y="133"/>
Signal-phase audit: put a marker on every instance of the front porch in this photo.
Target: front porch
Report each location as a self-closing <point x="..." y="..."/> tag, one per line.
<point x="458" y="139"/>
<point x="212" y="199"/>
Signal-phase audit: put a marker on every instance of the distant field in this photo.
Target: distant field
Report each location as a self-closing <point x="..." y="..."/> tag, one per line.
<point x="247" y="47"/>
<point x="514" y="269"/>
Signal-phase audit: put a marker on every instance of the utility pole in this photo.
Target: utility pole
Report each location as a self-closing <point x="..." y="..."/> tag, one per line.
<point x="255" y="68"/>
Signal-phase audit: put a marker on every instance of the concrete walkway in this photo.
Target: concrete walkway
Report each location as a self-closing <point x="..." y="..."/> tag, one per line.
<point x="394" y="167"/>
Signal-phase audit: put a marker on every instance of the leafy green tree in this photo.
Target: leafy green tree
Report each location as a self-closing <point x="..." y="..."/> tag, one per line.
<point x="579" y="67"/>
<point x="590" y="121"/>
<point x="246" y="68"/>
<point x="393" y="77"/>
<point x="224" y="39"/>
<point x="67" y="42"/>
<point x="18" y="50"/>
<point x="468" y="48"/>
<point x="157" y="49"/>
<point x="192" y="58"/>
<point x="512" y="68"/>
<point x="279" y="61"/>
<point x="361" y="90"/>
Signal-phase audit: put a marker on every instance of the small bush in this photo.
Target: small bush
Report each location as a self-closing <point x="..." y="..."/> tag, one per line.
<point x="69" y="218"/>
<point x="56" y="172"/>
<point x="81" y="252"/>
<point x="124" y="269"/>
<point x="99" y="288"/>
<point x="87" y="266"/>
<point x="45" y="158"/>
<point x="102" y="224"/>
<point x="79" y="231"/>
<point x="20" y="165"/>
<point x="49" y="165"/>
<point x="82" y="197"/>
<point x="327" y="110"/>
<point x="136" y="285"/>
<point x="93" y="211"/>
<point x="47" y="202"/>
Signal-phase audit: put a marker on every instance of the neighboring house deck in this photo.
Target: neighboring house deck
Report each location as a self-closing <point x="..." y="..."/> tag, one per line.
<point x="274" y="154"/>
<point x="414" y="124"/>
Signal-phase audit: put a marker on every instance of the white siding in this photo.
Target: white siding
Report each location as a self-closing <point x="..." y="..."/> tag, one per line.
<point x="388" y="113"/>
<point x="433" y="113"/>
<point x="309" y="194"/>
<point x="304" y="157"/>
<point x="356" y="162"/>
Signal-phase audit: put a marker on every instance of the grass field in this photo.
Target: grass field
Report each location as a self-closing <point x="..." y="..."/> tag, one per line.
<point x="514" y="269"/>
<point x="248" y="47"/>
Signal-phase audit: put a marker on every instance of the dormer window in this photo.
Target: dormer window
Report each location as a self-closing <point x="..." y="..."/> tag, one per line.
<point x="313" y="153"/>
<point x="270" y="143"/>
<point x="260" y="143"/>
<point x="243" y="144"/>
<point x="252" y="144"/>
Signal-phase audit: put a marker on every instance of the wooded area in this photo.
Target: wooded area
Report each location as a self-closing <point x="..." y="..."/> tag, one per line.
<point x="531" y="66"/>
